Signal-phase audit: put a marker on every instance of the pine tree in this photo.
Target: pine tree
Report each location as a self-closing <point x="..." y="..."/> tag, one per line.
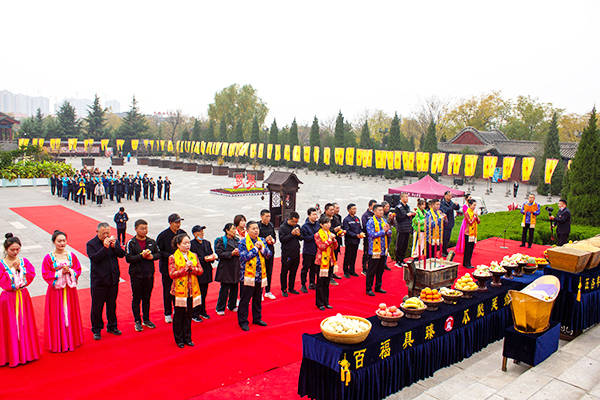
<point x="96" y="120"/>
<point x="584" y="175"/>
<point x="274" y="133"/>
<point x="196" y="131"/>
<point x="210" y="133"/>
<point x="411" y="144"/>
<point x="185" y="135"/>
<point x="255" y="135"/>
<point x="238" y="134"/>
<point x="133" y="126"/>
<point x="430" y="141"/>
<point x="365" y="137"/>
<point x="70" y="127"/>
<point x="339" y="130"/>
<point x="551" y="150"/>
<point x="396" y="140"/>
<point x="293" y="136"/>
<point x="223" y="131"/>
<point x="315" y="138"/>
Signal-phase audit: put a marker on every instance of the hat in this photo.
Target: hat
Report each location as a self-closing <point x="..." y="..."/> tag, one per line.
<point x="198" y="228"/>
<point x="174" y="218"/>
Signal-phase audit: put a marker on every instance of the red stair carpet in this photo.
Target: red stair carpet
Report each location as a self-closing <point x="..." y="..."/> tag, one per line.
<point x="225" y="363"/>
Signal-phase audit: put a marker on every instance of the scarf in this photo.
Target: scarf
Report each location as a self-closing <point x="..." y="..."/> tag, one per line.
<point x="433" y="224"/>
<point x="63" y="281"/>
<point x="187" y="285"/>
<point x="327" y="256"/>
<point x="377" y="249"/>
<point x="472" y="228"/>
<point x="250" y="267"/>
<point x="81" y="188"/>
<point x="18" y="281"/>
<point x="531" y="208"/>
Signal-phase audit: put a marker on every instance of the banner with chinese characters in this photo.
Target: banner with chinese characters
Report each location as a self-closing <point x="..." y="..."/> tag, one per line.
<point x="508" y="163"/>
<point x="437" y="163"/>
<point x="422" y="161"/>
<point x="454" y="161"/>
<point x="296" y="154"/>
<point x="350" y="155"/>
<point x="379" y="159"/>
<point x="551" y="164"/>
<point x="489" y="165"/>
<point x="24" y="142"/>
<point x="71" y="142"/>
<point x="397" y="159"/>
<point x="316" y="151"/>
<point x="277" y="152"/>
<point x="40" y="142"/>
<point x="134" y="144"/>
<point x="269" y="151"/>
<point x="326" y="155"/>
<point x="286" y="152"/>
<point x="261" y="150"/>
<point x="225" y="149"/>
<point x="527" y="164"/>
<point x="359" y="157"/>
<point x="306" y="151"/>
<point x="470" y="164"/>
<point x="408" y="160"/>
<point x="253" y="150"/>
<point x="339" y="156"/>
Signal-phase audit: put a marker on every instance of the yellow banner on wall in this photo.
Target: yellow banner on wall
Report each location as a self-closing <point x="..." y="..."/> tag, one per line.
<point x="527" y="164"/>
<point x="397" y="159"/>
<point x="217" y="148"/>
<point x="408" y="160"/>
<point x="24" y="142"/>
<point x="162" y="145"/>
<point x="170" y="145"/>
<point x="437" y="162"/>
<point x="489" y="166"/>
<point x="422" y="161"/>
<point x="326" y="155"/>
<point x="71" y="142"/>
<point x="253" y="147"/>
<point x="454" y="161"/>
<point x="203" y="147"/>
<point x="379" y="159"/>
<point x="470" y="164"/>
<point x="359" y="157"/>
<point x="146" y="143"/>
<point x="296" y="154"/>
<point x="41" y="142"/>
<point x="119" y="143"/>
<point x="349" y="155"/>
<point x="277" y="152"/>
<point x="225" y="147"/>
<point x="368" y="158"/>
<point x="508" y="163"/>
<point x="261" y="150"/>
<point x="196" y="147"/>
<point x="339" y="156"/>
<point x="389" y="155"/>
<point x="287" y="152"/>
<point x="316" y="152"/>
<point x="306" y="150"/>
<point x="270" y="151"/>
<point x="551" y="164"/>
<point x="134" y="144"/>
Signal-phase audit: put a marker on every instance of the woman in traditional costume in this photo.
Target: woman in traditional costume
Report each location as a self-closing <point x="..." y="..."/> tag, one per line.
<point x="326" y="245"/>
<point x="460" y="242"/>
<point x="18" y="332"/>
<point x="418" y="225"/>
<point x="62" y="321"/>
<point x="470" y="232"/>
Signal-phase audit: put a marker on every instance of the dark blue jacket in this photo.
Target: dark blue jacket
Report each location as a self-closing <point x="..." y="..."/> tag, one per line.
<point x="121" y="220"/>
<point x="308" y="231"/>
<point x="353" y="227"/>
<point x="448" y="208"/>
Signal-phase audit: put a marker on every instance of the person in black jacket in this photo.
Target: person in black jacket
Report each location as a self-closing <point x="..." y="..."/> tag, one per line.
<point x="447" y="206"/>
<point x="228" y="270"/>
<point x="202" y="248"/>
<point x="562" y="222"/>
<point x="290" y="237"/>
<point x="164" y="241"/>
<point x="309" y="250"/>
<point x="266" y="230"/>
<point x="354" y="233"/>
<point x="403" y="220"/>
<point x="159" y="185"/>
<point x="104" y="251"/>
<point x="145" y="185"/>
<point x="53" y="181"/>
<point x="120" y="189"/>
<point x="137" y="188"/>
<point x="167" y="187"/>
<point x="141" y="253"/>
<point x="121" y="219"/>
<point x="151" y="188"/>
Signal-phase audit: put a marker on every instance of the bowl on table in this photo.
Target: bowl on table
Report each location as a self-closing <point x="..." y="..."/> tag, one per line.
<point x="412" y="313"/>
<point x="510" y="270"/>
<point x="451" y="296"/>
<point x="433" y="305"/>
<point x="530" y="268"/>
<point x="482" y="281"/>
<point x="343" y="338"/>
<point x="520" y="267"/>
<point x="497" y="276"/>
<point x="387" y="320"/>
<point x="468" y="294"/>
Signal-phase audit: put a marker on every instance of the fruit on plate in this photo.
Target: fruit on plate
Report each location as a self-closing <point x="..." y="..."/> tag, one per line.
<point x="413" y="303"/>
<point x="345" y="326"/>
<point x="384" y="311"/>
<point x="450" y="292"/>
<point x="428" y="294"/>
<point x="482" y="270"/>
<point x="465" y="283"/>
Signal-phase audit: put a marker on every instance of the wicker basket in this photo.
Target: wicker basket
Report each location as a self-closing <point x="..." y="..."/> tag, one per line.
<point x="346" y="339"/>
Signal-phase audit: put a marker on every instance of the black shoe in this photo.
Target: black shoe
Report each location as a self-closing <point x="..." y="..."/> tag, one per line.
<point x="284" y="293"/>
<point x="149" y="324"/>
<point x="312" y="286"/>
<point x="380" y="290"/>
<point x="332" y="282"/>
<point x="181" y="345"/>
<point x="114" y="331"/>
<point x="322" y="308"/>
<point x="529" y="246"/>
<point x="260" y="323"/>
<point x="370" y="293"/>
<point x="138" y="326"/>
<point x="97" y="336"/>
<point x="328" y="306"/>
<point x="468" y="266"/>
<point x="335" y="276"/>
<point x="302" y="289"/>
<point x="353" y="274"/>
<point x="245" y="327"/>
<point x="205" y="316"/>
<point x="347" y="275"/>
<point x="190" y="343"/>
<point x="197" y="319"/>
<point x="292" y="291"/>
<point x="523" y="245"/>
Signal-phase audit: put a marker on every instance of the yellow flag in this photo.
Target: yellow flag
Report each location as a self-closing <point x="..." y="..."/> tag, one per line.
<point x="422" y="161"/>
<point x="244" y="148"/>
<point x="527" y="164"/>
<point x="316" y="151"/>
<point x="203" y="147"/>
<point x="408" y="160"/>
<point x="508" y="164"/>
<point x="326" y="155"/>
<point x="470" y="164"/>
<point x="269" y="151"/>
<point x="119" y="143"/>
<point x="34" y="142"/>
<point x="162" y="145"/>
<point x="253" y="150"/>
<point x="277" y="152"/>
<point x="71" y="142"/>
<point x="296" y="154"/>
<point x="457" y="162"/>
<point x="306" y="154"/>
<point x="437" y="162"/>
<point x="359" y="157"/>
<point x="390" y="159"/>
<point x="170" y="145"/>
<point x="24" y="142"/>
<point x="339" y="156"/>
<point x="134" y="144"/>
<point x="217" y="148"/>
<point x="286" y="152"/>
<point x="379" y="159"/>
<point x="397" y="159"/>
<point x="232" y="150"/>
<point x="349" y="155"/>
<point x="196" y="148"/>
<point x="224" y="148"/>
<point x="551" y="164"/>
<point x="261" y="150"/>
<point x="489" y="165"/>
<point x="434" y="163"/>
<point x="146" y="143"/>
<point x="103" y="144"/>
<point x="369" y="156"/>
<point x="41" y="142"/>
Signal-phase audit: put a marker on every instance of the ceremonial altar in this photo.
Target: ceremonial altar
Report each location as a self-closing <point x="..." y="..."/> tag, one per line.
<point x="393" y="358"/>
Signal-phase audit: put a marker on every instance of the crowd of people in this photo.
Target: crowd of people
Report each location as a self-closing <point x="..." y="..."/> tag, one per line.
<point x="95" y="186"/>
<point x="244" y="267"/>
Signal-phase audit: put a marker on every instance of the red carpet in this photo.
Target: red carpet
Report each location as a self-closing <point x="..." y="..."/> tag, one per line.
<point x="225" y="363"/>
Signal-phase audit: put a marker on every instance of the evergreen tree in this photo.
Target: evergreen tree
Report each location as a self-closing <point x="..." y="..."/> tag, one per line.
<point x="70" y="127"/>
<point x="430" y="141"/>
<point x="196" y="131"/>
<point x="274" y="133"/>
<point x="293" y="136"/>
<point x="339" y="130"/>
<point x="185" y="135"/>
<point x="210" y="133"/>
<point x="39" y="129"/>
<point x="134" y="124"/>
<point x="238" y="134"/>
<point x="96" y="120"/>
<point x="396" y="140"/>
<point x="584" y="175"/>
<point x="315" y="138"/>
<point x="223" y="131"/>
<point x="255" y="135"/>
<point x="365" y="137"/>
<point x="411" y="144"/>
<point x="551" y="150"/>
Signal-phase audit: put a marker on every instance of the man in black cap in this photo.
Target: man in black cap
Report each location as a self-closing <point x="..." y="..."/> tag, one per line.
<point x="164" y="242"/>
<point x="121" y="219"/>
<point x="202" y="248"/>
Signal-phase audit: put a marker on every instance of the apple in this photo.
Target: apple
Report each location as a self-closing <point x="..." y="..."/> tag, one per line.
<point x="382" y="306"/>
<point x="396" y="313"/>
<point x="393" y="309"/>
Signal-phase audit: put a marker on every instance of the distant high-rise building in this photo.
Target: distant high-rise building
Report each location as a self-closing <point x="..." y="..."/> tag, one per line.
<point x="22" y="105"/>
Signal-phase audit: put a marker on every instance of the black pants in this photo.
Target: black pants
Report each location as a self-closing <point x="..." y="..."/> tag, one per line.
<point x="375" y="272"/>
<point x="141" y="289"/>
<point x="227" y="296"/>
<point x="146" y="193"/>
<point x="562" y="238"/>
<point x="201" y="309"/>
<point x="401" y="245"/>
<point x="248" y="293"/>
<point x="58" y="190"/>
<point x="152" y="195"/>
<point x="365" y="256"/>
<point x="137" y="196"/>
<point x="82" y="199"/>
<point x="289" y="267"/>
<point x="121" y="235"/>
<point x="102" y="295"/>
<point x="308" y="267"/>
<point x="469" y="247"/>
<point x="159" y="191"/>
<point x="88" y="193"/>
<point x="112" y="195"/>
<point x="167" y="195"/>
<point x="182" y="323"/>
<point x="524" y="235"/>
<point x="168" y="299"/>
<point x="99" y="200"/>
<point x="350" y="258"/>
<point x="119" y="197"/>
<point x="447" y="234"/>
<point x="269" y="265"/>
<point x="322" y="292"/>
<point x="53" y="189"/>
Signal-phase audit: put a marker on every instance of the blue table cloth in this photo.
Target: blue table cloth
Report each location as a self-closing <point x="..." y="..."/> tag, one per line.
<point x="531" y="348"/>
<point x="393" y="358"/>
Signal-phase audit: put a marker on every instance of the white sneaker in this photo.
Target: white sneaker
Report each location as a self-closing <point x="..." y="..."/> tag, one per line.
<point x="270" y="295"/>
<point x="262" y="297"/>
<point x="237" y="303"/>
<point x="220" y="312"/>
<point x="235" y="309"/>
<point x="168" y="319"/>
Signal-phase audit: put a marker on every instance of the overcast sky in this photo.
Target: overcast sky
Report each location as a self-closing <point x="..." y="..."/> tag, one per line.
<point x="303" y="57"/>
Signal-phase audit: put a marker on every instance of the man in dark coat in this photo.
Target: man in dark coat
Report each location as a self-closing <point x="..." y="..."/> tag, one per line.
<point x="119" y="189"/>
<point x="309" y="250"/>
<point x="167" y="187"/>
<point x="290" y="237"/>
<point x="104" y="251"/>
<point x="142" y="251"/>
<point x="354" y="233"/>
<point x="403" y="220"/>
<point x="137" y="188"/>
<point x="121" y="219"/>
<point x="159" y="185"/>
<point x="53" y="181"/>
<point x="447" y="206"/>
<point x="562" y="222"/>
<point x="164" y="242"/>
<point x="202" y="248"/>
<point x="151" y="188"/>
<point x="145" y="184"/>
